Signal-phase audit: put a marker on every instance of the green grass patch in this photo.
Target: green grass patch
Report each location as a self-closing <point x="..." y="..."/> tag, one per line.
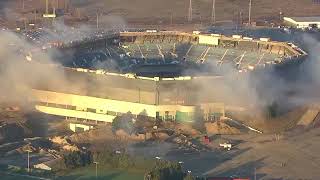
<point x="104" y="172"/>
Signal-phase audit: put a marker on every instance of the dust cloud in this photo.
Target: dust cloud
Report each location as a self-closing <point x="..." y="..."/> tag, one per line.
<point x="287" y="86"/>
<point x="17" y="75"/>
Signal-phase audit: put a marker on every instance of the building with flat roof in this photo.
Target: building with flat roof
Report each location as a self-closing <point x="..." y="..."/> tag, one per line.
<point x="303" y="22"/>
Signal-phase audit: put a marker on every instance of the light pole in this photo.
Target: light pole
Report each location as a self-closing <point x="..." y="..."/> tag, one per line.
<point x="181" y="162"/>
<point x="96" y="163"/>
<point x="29" y="151"/>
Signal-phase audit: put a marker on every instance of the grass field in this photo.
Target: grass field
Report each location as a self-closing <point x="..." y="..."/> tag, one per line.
<point x="103" y="173"/>
<point x="85" y="173"/>
<point x="14" y="176"/>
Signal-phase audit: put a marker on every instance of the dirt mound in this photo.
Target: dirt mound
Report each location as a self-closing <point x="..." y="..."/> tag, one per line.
<point x="182" y="128"/>
<point x="101" y="134"/>
<point x="60" y="140"/>
<point x="134" y="137"/>
<point x="64" y="143"/>
<point x="220" y="128"/>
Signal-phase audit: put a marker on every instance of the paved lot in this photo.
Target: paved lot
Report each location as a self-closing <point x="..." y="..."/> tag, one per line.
<point x="293" y="157"/>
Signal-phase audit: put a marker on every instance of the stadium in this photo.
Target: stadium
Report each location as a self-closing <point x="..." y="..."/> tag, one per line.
<point x="154" y="74"/>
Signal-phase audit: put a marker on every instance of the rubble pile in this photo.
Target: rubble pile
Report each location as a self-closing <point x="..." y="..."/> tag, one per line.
<point x="64" y="143"/>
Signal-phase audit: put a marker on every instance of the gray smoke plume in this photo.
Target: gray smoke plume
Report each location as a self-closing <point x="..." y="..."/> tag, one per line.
<point x="17" y="75"/>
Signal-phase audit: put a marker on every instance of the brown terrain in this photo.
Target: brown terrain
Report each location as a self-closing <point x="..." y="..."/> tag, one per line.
<point x="162" y="12"/>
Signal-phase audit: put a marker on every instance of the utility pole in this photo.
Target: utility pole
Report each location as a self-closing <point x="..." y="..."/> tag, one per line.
<point x="97" y="19"/>
<point x="240" y="18"/>
<point x="23" y="5"/>
<point x="250" y="5"/>
<point x="213" y="12"/>
<point x="65" y="5"/>
<point x="190" y="11"/>
<point x="47" y="7"/>
<point x="25" y="23"/>
<point x="35" y="16"/>
<point x="56" y="4"/>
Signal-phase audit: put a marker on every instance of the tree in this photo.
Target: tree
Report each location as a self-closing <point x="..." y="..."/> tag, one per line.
<point x="164" y="170"/>
<point x="125" y="122"/>
<point x="272" y="110"/>
<point x="121" y="160"/>
<point x="77" y="159"/>
<point x="189" y="177"/>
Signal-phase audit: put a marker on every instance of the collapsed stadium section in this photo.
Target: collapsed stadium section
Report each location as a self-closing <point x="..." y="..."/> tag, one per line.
<point x="144" y="73"/>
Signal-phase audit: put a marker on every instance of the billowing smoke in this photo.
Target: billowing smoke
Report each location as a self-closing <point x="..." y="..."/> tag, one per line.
<point x="308" y="83"/>
<point x="17" y="75"/>
<point x="288" y="87"/>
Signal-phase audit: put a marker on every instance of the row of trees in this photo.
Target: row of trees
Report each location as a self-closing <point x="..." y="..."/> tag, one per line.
<point x="162" y="169"/>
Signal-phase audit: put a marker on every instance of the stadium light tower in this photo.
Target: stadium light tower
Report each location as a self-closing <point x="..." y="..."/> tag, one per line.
<point x="250" y="6"/>
<point x="190" y="11"/>
<point x="213" y="12"/>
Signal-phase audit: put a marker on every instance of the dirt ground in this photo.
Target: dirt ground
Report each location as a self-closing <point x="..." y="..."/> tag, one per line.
<point x="168" y="11"/>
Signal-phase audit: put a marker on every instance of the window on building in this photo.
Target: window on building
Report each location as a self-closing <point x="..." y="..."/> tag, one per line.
<point x="167" y="116"/>
<point x="112" y="113"/>
<point x="91" y="110"/>
<point x="100" y="111"/>
<point x="61" y="106"/>
<point x="42" y="103"/>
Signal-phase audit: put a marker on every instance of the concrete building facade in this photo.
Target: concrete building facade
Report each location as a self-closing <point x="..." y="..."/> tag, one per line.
<point x="105" y="110"/>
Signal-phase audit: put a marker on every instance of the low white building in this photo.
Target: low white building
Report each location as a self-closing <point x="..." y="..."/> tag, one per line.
<point x="50" y="165"/>
<point x="303" y="22"/>
<point x="42" y="166"/>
